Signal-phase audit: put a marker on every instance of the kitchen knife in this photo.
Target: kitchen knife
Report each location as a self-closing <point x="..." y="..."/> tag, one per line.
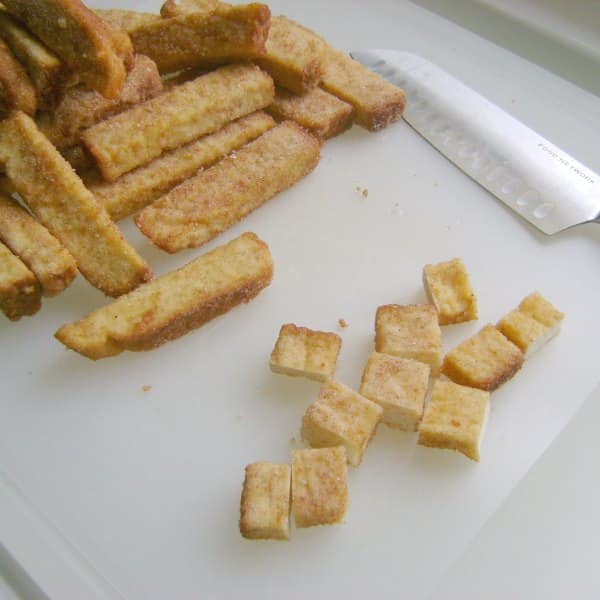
<point x="535" y="178"/>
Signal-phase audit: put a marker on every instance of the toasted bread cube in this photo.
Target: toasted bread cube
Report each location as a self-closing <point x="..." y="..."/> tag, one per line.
<point x="410" y="331"/>
<point x="300" y="351"/>
<point x="265" y="504"/>
<point x="449" y="289"/>
<point x="340" y="416"/>
<point x="532" y="324"/>
<point x="319" y="486"/>
<point x="485" y="360"/>
<point x="537" y="307"/>
<point x="455" y="418"/>
<point x="399" y="386"/>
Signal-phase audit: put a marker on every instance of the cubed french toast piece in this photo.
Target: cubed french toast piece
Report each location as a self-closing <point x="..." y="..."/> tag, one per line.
<point x="305" y="352"/>
<point x="485" y="360"/>
<point x="449" y="289"/>
<point x="265" y="503"/>
<point x="410" y="331"/>
<point x="319" y="486"/>
<point x="175" y="303"/>
<point x="20" y="293"/>
<point x="399" y="386"/>
<point x="536" y="306"/>
<point x="455" y="418"/>
<point x="340" y="416"/>
<point x="532" y="324"/>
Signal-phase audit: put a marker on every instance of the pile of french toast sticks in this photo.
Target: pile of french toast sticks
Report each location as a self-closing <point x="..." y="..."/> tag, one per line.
<point x="188" y="119"/>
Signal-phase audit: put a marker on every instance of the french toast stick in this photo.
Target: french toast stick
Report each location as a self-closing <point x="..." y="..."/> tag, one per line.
<point x="292" y="58"/>
<point x="19" y="289"/>
<point x="62" y="203"/>
<point x="229" y="34"/>
<point x="174" y="8"/>
<point x="170" y="306"/>
<point x="41" y="252"/>
<point x="80" y="108"/>
<point x="16" y="90"/>
<point x="140" y="187"/>
<point x="79" y="37"/>
<point x="47" y="72"/>
<point x="201" y="207"/>
<point x="183" y="113"/>
<point x="322" y="113"/>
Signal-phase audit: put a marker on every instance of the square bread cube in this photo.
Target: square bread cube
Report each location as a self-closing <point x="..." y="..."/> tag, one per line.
<point x="540" y="309"/>
<point x="455" y="418"/>
<point x="341" y="417"/>
<point x="410" y="331"/>
<point x="449" y="289"/>
<point x="300" y="351"/>
<point x="524" y="331"/>
<point x="265" y="503"/>
<point x="485" y="360"/>
<point x="399" y="386"/>
<point x="319" y="486"/>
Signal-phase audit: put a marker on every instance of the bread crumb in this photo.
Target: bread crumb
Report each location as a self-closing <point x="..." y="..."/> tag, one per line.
<point x="342" y="323"/>
<point x="146" y="388"/>
<point x="364" y="192"/>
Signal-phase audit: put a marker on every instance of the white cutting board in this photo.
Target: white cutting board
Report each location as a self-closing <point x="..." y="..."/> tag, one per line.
<point x="109" y="491"/>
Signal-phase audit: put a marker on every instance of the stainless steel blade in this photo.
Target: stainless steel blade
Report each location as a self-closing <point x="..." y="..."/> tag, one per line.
<point x="538" y="180"/>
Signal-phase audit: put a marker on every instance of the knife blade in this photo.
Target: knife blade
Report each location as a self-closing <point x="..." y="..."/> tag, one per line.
<point x="539" y="181"/>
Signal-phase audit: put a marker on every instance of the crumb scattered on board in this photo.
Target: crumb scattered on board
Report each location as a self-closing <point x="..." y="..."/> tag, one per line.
<point x="342" y="323"/>
<point x="146" y="388"/>
<point x="364" y="192"/>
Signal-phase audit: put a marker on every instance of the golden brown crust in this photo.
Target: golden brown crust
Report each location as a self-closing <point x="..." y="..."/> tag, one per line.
<point x="265" y="502"/>
<point x="449" y="289"/>
<point x="61" y="202"/>
<point x="410" y="331"/>
<point x="175" y="8"/>
<point x="182" y="114"/>
<point x="140" y="187"/>
<point x="455" y="418"/>
<point x="79" y="37"/>
<point x="47" y="72"/>
<point x="399" y="386"/>
<point x="229" y="34"/>
<point x="292" y="58"/>
<point x="80" y="108"/>
<point x="320" y="112"/>
<point x="204" y="206"/>
<point x="306" y="352"/>
<point x="127" y="20"/>
<point x="20" y="293"/>
<point x="341" y="417"/>
<point x="176" y="303"/>
<point x="16" y="89"/>
<point x="484" y="361"/>
<point x="319" y="486"/>
<point x="41" y="252"/>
